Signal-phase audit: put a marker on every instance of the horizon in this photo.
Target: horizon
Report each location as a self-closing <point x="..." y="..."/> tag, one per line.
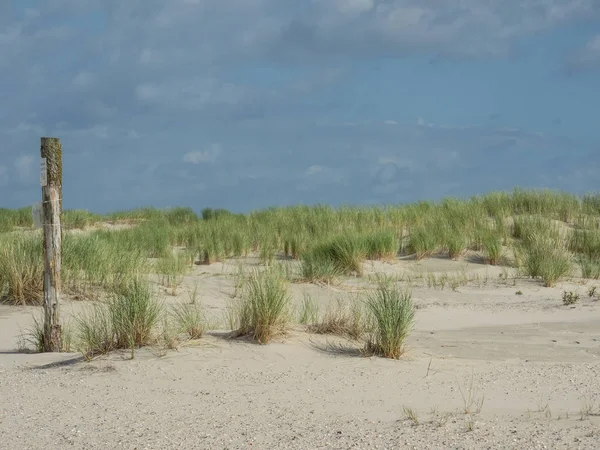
<point x="582" y="198"/>
<point x="261" y="103"/>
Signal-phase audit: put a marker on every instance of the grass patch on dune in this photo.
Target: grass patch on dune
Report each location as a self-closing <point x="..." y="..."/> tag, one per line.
<point x="344" y="318"/>
<point x="172" y="269"/>
<point x="308" y="313"/>
<point x="590" y="267"/>
<point x="492" y="249"/>
<point x="21" y="270"/>
<point x="342" y="255"/>
<point x="79" y="219"/>
<point x="380" y="245"/>
<point x="544" y="256"/>
<point x="129" y="319"/>
<point x="455" y="243"/>
<point x="544" y="228"/>
<point x="423" y="242"/>
<point x="392" y="313"/>
<point x="189" y="319"/>
<point x="33" y="337"/>
<point x="15" y="218"/>
<point x="263" y="309"/>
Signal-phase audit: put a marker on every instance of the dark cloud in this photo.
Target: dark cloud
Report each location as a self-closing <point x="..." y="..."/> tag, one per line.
<point x="141" y="93"/>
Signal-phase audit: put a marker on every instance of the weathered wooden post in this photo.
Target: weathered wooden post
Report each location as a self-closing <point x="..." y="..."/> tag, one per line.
<point x="51" y="181"/>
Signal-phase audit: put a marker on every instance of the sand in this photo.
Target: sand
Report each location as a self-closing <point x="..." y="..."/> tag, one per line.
<point x="485" y="369"/>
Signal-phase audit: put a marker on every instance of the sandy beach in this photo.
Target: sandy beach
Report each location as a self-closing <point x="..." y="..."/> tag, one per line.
<point x="485" y="368"/>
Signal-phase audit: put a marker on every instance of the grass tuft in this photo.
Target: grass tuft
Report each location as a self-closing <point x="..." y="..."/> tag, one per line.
<point x="309" y="311"/>
<point x="344" y="318"/>
<point x="34" y="336"/>
<point x="189" y="318"/>
<point x="544" y="256"/>
<point x="392" y="313"/>
<point x="492" y="248"/>
<point x="22" y="270"/>
<point x="262" y="312"/>
<point x="134" y="313"/>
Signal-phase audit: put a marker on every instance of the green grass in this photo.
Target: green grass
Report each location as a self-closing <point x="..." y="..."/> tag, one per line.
<point x="585" y="243"/>
<point x="22" y="269"/>
<point x="94" y="331"/>
<point x="392" y="313"/>
<point x="128" y="319"/>
<point x="590" y="267"/>
<point x="263" y="310"/>
<point x="317" y="267"/>
<point x="15" y="218"/>
<point x="190" y="319"/>
<point x="171" y="269"/>
<point x="455" y="243"/>
<point x="341" y="255"/>
<point x="380" y="245"/>
<point x="134" y="312"/>
<point x="33" y="337"/>
<point x="544" y="256"/>
<point x="423" y="241"/>
<point x="492" y="248"/>
<point x="329" y="243"/>
<point x="309" y="311"/>
<point x="79" y="219"/>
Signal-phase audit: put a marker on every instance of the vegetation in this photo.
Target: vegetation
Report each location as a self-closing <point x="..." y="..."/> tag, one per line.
<point x="392" y="314"/>
<point x="570" y="298"/>
<point x="262" y="311"/>
<point x="344" y="318"/>
<point x="129" y="319"/>
<point x="544" y="235"/>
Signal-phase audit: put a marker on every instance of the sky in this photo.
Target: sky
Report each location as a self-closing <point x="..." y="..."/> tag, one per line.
<point x="247" y="104"/>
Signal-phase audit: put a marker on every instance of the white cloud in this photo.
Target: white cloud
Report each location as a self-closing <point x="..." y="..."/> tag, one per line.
<point x="464" y="27"/>
<point x="147" y="92"/>
<point x="25" y="127"/>
<point x="313" y="170"/>
<point x="588" y="56"/>
<point x="32" y="13"/>
<point x="206" y="156"/>
<point x="83" y="79"/>
<point x="186" y="93"/>
<point x="150" y="56"/>
<point x="25" y="168"/>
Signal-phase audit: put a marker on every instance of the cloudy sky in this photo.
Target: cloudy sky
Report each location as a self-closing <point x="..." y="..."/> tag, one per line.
<point x="245" y="104"/>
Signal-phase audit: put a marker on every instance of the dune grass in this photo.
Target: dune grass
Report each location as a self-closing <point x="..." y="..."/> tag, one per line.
<point x="345" y="317"/>
<point x="544" y="256"/>
<point x="15" y="218"/>
<point x="21" y="270"/>
<point x="263" y="309"/>
<point x="308" y="313"/>
<point x="128" y="319"/>
<point x="492" y="248"/>
<point x="33" y="337"/>
<point x="329" y="243"/>
<point x="391" y="313"/>
<point x="171" y="269"/>
<point x="189" y="319"/>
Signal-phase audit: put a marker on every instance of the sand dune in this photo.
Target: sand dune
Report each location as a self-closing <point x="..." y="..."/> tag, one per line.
<point x="486" y="368"/>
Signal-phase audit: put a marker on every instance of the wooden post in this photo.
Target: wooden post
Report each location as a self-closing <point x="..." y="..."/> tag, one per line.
<point x="51" y="181"/>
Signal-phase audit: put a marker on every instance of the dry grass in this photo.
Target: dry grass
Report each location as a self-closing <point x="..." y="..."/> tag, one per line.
<point x="344" y="318"/>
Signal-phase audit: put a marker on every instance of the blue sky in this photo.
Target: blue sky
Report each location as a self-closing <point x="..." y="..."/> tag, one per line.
<point x="245" y="104"/>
